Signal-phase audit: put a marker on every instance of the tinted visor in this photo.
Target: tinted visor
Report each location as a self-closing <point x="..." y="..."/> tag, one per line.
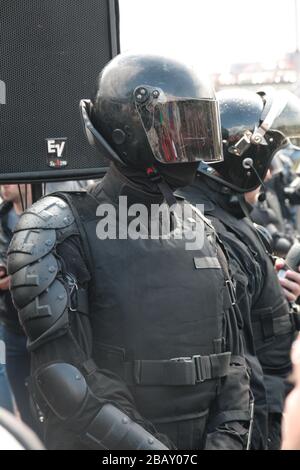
<point x="184" y="130"/>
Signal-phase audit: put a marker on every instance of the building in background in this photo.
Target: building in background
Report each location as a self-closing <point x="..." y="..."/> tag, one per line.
<point x="285" y="73"/>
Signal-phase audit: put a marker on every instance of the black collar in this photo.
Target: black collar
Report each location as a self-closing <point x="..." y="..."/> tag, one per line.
<point x="135" y="186"/>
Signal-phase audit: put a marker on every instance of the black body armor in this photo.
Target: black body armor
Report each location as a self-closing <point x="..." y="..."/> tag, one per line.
<point x="133" y="317"/>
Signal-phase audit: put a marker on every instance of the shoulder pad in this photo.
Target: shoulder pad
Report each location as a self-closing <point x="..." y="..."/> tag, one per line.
<point x="49" y="212"/>
<point x="45" y="315"/>
<point x="30" y="281"/>
<point x="28" y="246"/>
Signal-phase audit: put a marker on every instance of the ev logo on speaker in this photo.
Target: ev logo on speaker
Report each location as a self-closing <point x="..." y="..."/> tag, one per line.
<point x="56" y="152"/>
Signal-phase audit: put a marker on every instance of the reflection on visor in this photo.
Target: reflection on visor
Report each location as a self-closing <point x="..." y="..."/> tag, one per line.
<point x="183" y="131"/>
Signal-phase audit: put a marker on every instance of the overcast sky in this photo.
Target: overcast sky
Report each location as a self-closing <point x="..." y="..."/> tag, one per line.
<point x="215" y="33"/>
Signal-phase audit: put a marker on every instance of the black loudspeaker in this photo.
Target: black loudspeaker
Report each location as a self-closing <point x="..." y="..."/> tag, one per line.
<point x="50" y="54"/>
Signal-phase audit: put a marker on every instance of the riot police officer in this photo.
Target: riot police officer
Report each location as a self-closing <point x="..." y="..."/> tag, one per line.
<point x="254" y="127"/>
<point x="272" y="209"/>
<point x="135" y="343"/>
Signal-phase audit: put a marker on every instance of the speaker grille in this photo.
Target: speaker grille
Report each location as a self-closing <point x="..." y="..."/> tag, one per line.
<point x="51" y="52"/>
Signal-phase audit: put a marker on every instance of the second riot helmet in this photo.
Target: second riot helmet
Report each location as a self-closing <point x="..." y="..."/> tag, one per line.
<point x="254" y="127"/>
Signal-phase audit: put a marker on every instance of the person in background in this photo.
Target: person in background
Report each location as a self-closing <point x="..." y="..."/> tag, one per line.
<point x="5" y="392"/>
<point x="272" y="209"/>
<point x="17" y="357"/>
<point x="15" y="435"/>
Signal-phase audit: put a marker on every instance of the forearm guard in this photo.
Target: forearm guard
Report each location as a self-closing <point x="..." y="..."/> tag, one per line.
<point x="65" y="391"/>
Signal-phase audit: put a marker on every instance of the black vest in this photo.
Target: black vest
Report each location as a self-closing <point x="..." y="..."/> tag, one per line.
<point x="153" y="306"/>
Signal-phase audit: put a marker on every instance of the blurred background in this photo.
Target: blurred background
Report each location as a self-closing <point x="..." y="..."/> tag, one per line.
<point x="240" y="43"/>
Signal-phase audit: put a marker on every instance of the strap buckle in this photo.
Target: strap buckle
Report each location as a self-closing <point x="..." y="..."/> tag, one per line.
<point x="202" y="366"/>
<point x="231" y="291"/>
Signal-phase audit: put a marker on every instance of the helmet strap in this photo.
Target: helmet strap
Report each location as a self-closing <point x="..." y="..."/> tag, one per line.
<point x="155" y="177"/>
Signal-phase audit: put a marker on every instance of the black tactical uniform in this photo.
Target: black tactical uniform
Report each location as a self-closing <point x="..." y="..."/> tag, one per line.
<point x="135" y="343"/>
<point x="269" y="325"/>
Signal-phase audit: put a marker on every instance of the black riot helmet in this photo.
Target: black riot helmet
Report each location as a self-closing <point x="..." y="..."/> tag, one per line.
<point x="254" y="127"/>
<point x="151" y="110"/>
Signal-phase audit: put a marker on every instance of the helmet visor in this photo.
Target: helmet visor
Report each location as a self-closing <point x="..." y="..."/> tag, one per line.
<point x="180" y="131"/>
<point x="287" y="120"/>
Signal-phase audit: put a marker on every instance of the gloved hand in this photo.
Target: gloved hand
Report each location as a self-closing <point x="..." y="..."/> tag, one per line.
<point x="290" y="282"/>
